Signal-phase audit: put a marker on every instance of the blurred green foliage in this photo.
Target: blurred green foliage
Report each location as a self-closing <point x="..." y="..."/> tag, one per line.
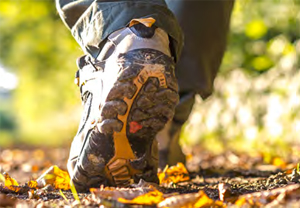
<point x="257" y="93"/>
<point x="256" y="102"/>
<point x="38" y="48"/>
<point x="261" y="33"/>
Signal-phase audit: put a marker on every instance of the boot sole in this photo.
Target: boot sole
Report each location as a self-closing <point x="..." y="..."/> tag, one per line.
<point x="150" y="93"/>
<point x="138" y="106"/>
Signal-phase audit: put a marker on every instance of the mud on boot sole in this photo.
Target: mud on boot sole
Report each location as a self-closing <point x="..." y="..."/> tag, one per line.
<point x="139" y="104"/>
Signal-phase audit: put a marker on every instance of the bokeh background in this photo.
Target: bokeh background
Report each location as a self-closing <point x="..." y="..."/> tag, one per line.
<point x="255" y="106"/>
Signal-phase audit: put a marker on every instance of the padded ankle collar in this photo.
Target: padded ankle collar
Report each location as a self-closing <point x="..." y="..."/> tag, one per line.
<point x="142" y="31"/>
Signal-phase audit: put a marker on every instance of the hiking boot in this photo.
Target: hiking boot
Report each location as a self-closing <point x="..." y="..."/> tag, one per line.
<point x="170" y="152"/>
<point x="129" y="93"/>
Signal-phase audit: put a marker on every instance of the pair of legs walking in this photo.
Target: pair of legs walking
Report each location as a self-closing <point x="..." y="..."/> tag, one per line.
<point x="128" y="84"/>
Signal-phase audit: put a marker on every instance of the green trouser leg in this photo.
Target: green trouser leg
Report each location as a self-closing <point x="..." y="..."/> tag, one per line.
<point x="91" y="21"/>
<point x="205" y="25"/>
<point x="169" y="149"/>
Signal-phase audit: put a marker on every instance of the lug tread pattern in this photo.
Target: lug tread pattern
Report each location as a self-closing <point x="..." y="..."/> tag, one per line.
<point x="152" y="107"/>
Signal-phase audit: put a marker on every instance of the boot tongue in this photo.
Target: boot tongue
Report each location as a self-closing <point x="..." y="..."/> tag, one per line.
<point x="143" y="28"/>
<point x="143" y="31"/>
<point x="148" y="22"/>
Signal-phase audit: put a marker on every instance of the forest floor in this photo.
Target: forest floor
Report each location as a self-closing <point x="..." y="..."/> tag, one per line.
<point x="224" y="180"/>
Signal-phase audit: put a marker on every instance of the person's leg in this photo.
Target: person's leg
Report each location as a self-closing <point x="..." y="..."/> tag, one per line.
<point x="205" y="25"/>
<point x="91" y="21"/>
<point x="128" y="88"/>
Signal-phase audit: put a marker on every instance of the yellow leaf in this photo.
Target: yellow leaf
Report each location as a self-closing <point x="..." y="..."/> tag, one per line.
<point x="204" y="201"/>
<point x="150" y="198"/>
<point x="240" y="202"/>
<point x="2" y="177"/>
<point x="32" y="184"/>
<point x="174" y="174"/>
<point x="55" y="176"/>
<point x="62" y="179"/>
<point x="277" y="161"/>
<point x="11" y="183"/>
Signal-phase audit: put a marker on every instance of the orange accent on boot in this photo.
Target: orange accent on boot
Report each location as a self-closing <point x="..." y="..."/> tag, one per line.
<point x="134" y="127"/>
<point x="148" y="22"/>
<point x="118" y="169"/>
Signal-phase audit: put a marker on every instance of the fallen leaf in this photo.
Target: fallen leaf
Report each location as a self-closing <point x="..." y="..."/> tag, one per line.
<point x="34" y="168"/>
<point x="112" y="193"/>
<point x="2" y="178"/>
<point x="278" y="162"/>
<point x="6" y="201"/>
<point x="199" y="199"/>
<point x="240" y="202"/>
<point x="11" y="183"/>
<point x="174" y="174"/>
<point x="150" y="198"/>
<point x="183" y="200"/>
<point x="55" y="176"/>
<point x="205" y="201"/>
<point x="265" y="197"/>
<point x="225" y="193"/>
<point x="276" y="202"/>
<point x="32" y="184"/>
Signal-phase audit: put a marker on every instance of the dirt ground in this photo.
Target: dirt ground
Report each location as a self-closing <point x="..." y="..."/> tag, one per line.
<point x="224" y="180"/>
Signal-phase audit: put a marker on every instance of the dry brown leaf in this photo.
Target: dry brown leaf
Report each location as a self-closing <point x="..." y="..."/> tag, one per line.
<point x="225" y="193"/>
<point x="150" y="198"/>
<point x="55" y="176"/>
<point x="265" y="197"/>
<point x="116" y="193"/>
<point x="199" y="199"/>
<point x="183" y="200"/>
<point x="276" y="202"/>
<point x="6" y="201"/>
<point x="174" y="174"/>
